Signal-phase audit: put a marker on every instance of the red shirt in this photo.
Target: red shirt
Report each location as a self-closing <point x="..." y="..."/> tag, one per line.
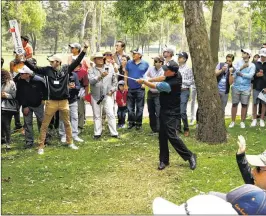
<point x="121" y="98"/>
<point x="28" y="49"/>
<point x="83" y="77"/>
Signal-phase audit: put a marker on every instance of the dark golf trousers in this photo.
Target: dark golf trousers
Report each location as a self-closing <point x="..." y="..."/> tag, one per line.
<point x="153" y="102"/>
<point x="168" y="132"/>
<point x="135" y="99"/>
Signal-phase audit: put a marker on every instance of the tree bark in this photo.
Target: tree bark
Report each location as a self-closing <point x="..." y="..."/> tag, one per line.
<point x="93" y="29"/>
<point x="215" y="29"/>
<point x="82" y="26"/>
<point x="56" y="42"/>
<point x="99" y="27"/>
<point x="211" y="125"/>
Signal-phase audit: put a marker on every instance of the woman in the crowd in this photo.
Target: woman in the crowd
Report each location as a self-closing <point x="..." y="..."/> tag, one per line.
<point x="122" y="68"/>
<point x="8" y="105"/>
<point x="255" y="58"/>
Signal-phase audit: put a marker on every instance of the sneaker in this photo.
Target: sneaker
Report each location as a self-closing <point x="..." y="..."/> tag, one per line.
<point x="242" y="125"/>
<point x="262" y="123"/>
<point x="253" y="123"/>
<point x="63" y="139"/>
<point x="123" y="126"/>
<point x="119" y="126"/>
<point x="192" y="122"/>
<point x="8" y="146"/>
<point x="232" y="124"/>
<point x="78" y="139"/>
<point x="73" y="146"/>
<point x="40" y="151"/>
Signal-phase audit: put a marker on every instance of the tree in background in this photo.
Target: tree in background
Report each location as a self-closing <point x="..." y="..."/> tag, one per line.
<point x="211" y="127"/>
<point x="30" y="15"/>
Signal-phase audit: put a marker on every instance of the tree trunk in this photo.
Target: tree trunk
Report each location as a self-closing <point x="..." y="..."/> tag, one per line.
<point x="215" y="29"/>
<point x="83" y="23"/>
<point x="211" y="125"/>
<point x="93" y="30"/>
<point x="56" y="41"/>
<point x="161" y="39"/>
<point x="99" y="27"/>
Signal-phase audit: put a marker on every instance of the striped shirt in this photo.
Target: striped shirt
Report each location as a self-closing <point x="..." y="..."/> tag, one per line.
<point x="187" y="76"/>
<point x="152" y="72"/>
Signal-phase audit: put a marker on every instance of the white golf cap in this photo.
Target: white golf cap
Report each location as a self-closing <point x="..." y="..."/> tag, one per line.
<point x="257" y="160"/>
<point x="25" y="70"/>
<point x="263" y="52"/>
<point x="55" y="57"/>
<point x="248" y="51"/>
<point x="200" y="204"/>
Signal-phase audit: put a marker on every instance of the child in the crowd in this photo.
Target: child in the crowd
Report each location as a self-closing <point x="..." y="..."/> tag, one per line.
<point x="121" y="100"/>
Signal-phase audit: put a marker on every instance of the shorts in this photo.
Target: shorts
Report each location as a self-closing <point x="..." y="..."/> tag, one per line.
<point x="256" y="100"/>
<point x="240" y="96"/>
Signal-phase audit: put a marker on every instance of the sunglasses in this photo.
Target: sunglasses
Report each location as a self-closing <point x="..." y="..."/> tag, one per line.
<point x="260" y="169"/>
<point x="108" y="54"/>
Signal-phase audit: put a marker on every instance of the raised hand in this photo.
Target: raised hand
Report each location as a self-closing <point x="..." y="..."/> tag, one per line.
<point x="241" y="144"/>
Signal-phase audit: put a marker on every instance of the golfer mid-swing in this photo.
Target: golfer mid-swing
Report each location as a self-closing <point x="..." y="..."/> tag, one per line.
<point x="170" y="90"/>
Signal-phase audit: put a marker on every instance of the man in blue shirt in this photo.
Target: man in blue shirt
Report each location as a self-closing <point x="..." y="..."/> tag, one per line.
<point x="241" y="87"/>
<point x="136" y="69"/>
<point x="170" y="91"/>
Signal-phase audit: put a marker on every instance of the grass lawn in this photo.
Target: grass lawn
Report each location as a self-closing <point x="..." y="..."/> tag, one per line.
<point x="116" y="176"/>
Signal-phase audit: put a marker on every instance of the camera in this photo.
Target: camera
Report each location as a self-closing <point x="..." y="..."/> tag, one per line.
<point x="101" y="99"/>
<point x="107" y="69"/>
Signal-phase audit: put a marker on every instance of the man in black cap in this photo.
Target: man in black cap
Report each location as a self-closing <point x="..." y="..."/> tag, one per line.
<point x="170" y="90"/>
<point x="27" y="47"/>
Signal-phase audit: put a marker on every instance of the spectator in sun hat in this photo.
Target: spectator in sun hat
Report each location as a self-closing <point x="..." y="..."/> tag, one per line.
<point x="259" y="84"/>
<point x="75" y="49"/>
<point x="256" y="175"/>
<point x="248" y="200"/>
<point x="241" y="86"/>
<point x="27" y="47"/>
<point x="103" y="84"/>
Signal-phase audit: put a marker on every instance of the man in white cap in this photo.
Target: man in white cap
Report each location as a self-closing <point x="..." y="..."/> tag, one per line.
<point x="259" y="84"/>
<point x="256" y="175"/>
<point x="28" y="84"/>
<point x="56" y="77"/>
<point x="168" y="54"/>
<point x="103" y="84"/>
<point x="241" y="86"/>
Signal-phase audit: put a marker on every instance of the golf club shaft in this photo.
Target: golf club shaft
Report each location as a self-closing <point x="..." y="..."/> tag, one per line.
<point x="126" y="76"/>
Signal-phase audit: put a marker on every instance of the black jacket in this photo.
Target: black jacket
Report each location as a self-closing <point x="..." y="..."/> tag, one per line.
<point x="170" y="102"/>
<point x="259" y="83"/>
<point x="57" y="81"/>
<point x="73" y="78"/>
<point x="30" y="94"/>
<point x="244" y="168"/>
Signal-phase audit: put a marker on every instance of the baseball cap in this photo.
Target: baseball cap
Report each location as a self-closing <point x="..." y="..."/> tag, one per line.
<point x="183" y="54"/>
<point x="25" y="70"/>
<point x="248" y="200"/>
<point x="121" y="82"/>
<point x="136" y="51"/>
<point x="171" y="65"/>
<point x="200" y="204"/>
<point x="257" y="160"/>
<point x="158" y="58"/>
<point x="75" y="45"/>
<point x="248" y="51"/>
<point x="55" y="57"/>
<point x="170" y="50"/>
<point x="263" y="52"/>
